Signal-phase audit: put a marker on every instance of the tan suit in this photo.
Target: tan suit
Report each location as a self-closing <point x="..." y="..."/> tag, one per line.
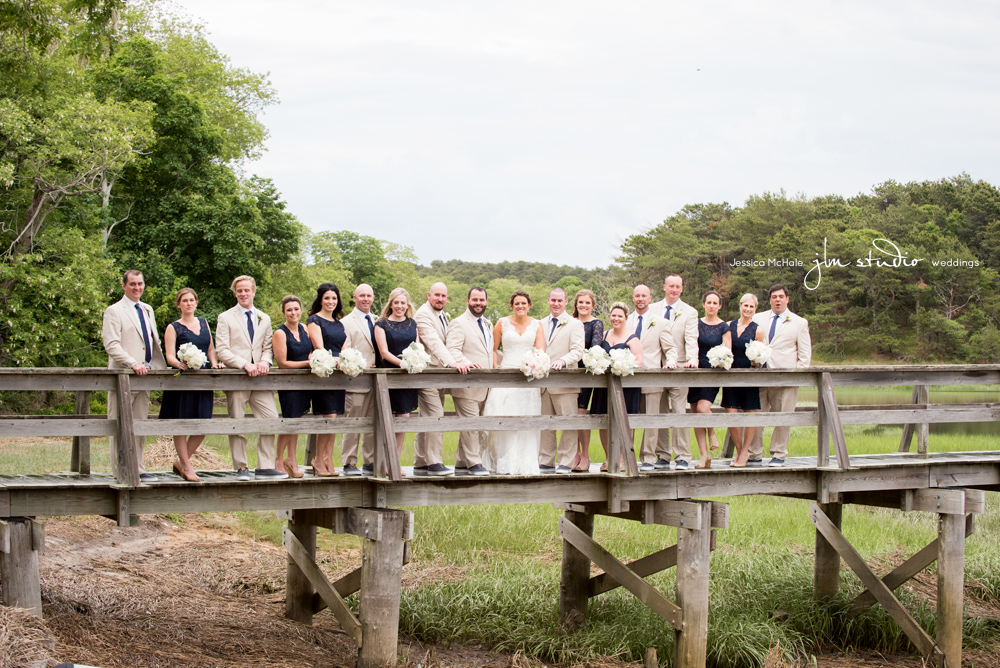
<point x="123" y="341"/>
<point x="235" y="349"/>
<point x="566" y="344"/>
<point x="657" y="349"/>
<point x="466" y="343"/>
<point x="428" y="447"/>
<point x="791" y="348"/>
<point x="684" y="321"/>
<point x="360" y="400"/>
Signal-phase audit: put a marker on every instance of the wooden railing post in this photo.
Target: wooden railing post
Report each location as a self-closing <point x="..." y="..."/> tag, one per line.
<point x="386" y="456"/>
<point x="128" y="464"/>
<point x="620" y="445"/>
<point x="822" y="426"/>
<point x="80" y="457"/>
<point x="921" y="396"/>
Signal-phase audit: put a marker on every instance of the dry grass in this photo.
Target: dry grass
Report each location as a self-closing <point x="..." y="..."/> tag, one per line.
<point x="160" y="455"/>
<point x="24" y="639"/>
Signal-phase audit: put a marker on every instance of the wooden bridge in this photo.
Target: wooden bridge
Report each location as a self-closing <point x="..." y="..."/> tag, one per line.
<point x="949" y="484"/>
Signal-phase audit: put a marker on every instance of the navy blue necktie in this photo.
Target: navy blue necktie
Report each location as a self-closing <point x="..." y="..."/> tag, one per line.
<point x="371" y="333"/>
<point x="638" y="327"/>
<point x="552" y="331"/>
<point x="485" y="340"/>
<point x="145" y="334"/>
<point x="667" y="314"/>
<point x="250" y="324"/>
<point x="774" y="325"/>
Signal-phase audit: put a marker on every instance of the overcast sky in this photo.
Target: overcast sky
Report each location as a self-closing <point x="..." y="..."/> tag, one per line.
<point x="549" y="131"/>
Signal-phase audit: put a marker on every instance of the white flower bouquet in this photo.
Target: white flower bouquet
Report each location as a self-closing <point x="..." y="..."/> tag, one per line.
<point x="536" y="364"/>
<point x="720" y="357"/>
<point x="322" y="362"/>
<point x="192" y="355"/>
<point x="758" y="353"/>
<point x="596" y="360"/>
<point x="623" y="362"/>
<point x="351" y="362"/>
<point x="414" y="359"/>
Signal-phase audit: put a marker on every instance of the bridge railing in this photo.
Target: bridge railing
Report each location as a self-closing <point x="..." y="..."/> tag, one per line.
<point x="827" y="416"/>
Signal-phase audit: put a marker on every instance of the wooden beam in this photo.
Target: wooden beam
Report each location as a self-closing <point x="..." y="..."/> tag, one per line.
<point x="694" y="543"/>
<point x="345" y="586"/>
<point x="381" y="584"/>
<point x="641" y="589"/>
<point x="128" y="465"/>
<point x="80" y="455"/>
<point x="894" y="580"/>
<point x="574" y="577"/>
<point x="123" y="516"/>
<point x="19" y="583"/>
<point x="833" y="419"/>
<point x="4" y="537"/>
<point x="907" y="438"/>
<point x="882" y="594"/>
<point x="923" y="428"/>
<point x="826" y="567"/>
<point x="648" y="565"/>
<point x="822" y="429"/>
<point x="386" y="456"/>
<point x="300" y="554"/>
<point x="299" y="591"/>
<point x="951" y="587"/>
<point x="619" y="431"/>
<point x="947" y="501"/>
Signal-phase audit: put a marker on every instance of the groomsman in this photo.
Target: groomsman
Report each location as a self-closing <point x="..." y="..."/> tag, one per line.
<point x="360" y="326"/>
<point x="658" y="352"/>
<point x="791" y="348"/>
<point x="243" y="341"/>
<point x="432" y="328"/>
<point x="470" y="342"/>
<point x="564" y="338"/>
<point x="131" y="341"/>
<point x="684" y="322"/>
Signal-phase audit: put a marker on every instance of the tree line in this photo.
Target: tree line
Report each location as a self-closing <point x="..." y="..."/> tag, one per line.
<point x="125" y="140"/>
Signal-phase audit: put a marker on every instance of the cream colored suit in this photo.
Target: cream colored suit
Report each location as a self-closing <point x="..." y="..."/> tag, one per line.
<point x="428" y="447"/>
<point x="123" y="341"/>
<point x="565" y="343"/>
<point x="235" y="349"/>
<point x="791" y="348"/>
<point x="684" y="320"/>
<point x="657" y="349"/>
<point x="360" y="400"/>
<point x="467" y="343"/>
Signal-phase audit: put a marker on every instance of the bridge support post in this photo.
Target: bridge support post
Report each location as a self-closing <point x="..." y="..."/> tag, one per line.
<point x="826" y="570"/>
<point x="381" y="585"/>
<point x="574" y="583"/>
<point x="694" y="545"/>
<point x="298" y="588"/>
<point x="21" y="539"/>
<point x="951" y="587"/>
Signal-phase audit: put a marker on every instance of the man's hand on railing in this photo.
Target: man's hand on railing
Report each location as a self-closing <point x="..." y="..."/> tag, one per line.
<point x="258" y="369"/>
<point x="140" y="369"/>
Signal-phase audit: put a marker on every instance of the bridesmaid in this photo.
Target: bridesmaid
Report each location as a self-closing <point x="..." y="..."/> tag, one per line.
<point x="712" y="331"/>
<point x="618" y="338"/>
<point x="326" y="331"/>
<point x="593" y="334"/>
<point x="395" y="330"/>
<point x="188" y="404"/>
<point x="292" y="347"/>
<point x="746" y="399"/>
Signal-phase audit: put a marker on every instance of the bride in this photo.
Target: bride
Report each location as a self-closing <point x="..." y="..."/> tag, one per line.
<point x="514" y="452"/>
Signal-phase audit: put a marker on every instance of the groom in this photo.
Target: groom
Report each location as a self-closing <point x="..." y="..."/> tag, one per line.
<point x="564" y="338"/>
<point x="470" y="342"/>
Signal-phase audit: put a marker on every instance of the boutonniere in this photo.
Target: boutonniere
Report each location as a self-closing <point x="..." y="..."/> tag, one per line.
<point x="652" y="323"/>
<point x="788" y="318"/>
<point x="561" y="320"/>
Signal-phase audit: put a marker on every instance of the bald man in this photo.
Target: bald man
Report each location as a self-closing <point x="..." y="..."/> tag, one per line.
<point x="432" y="329"/>
<point x="360" y="325"/>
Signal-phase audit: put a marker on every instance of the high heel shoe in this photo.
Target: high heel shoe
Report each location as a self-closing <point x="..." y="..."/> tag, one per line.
<point x="737" y="465"/>
<point x="291" y="469"/>
<point x="704" y="463"/>
<point x="713" y="440"/>
<point x="320" y="471"/>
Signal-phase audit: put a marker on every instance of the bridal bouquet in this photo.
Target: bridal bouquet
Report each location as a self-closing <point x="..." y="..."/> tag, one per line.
<point x="623" y="362"/>
<point x="322" y="362"/>
<point x="192" y="355"/>
<point x="414" y="359"/>
<point x="758" y="353"/>
<point x="536" y="364"/>
<point x="720" y="357"/>
<point x="596" y="360"/>
<point x="351" y="362"/>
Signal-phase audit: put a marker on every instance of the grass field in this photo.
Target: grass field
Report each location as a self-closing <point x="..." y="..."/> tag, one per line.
<point x="761" y="585"/>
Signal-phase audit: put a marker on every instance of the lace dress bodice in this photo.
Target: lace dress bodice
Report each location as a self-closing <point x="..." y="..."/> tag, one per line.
<point x="516" y="346"/>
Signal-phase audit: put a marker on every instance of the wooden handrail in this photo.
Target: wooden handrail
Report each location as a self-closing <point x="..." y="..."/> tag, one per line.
<point x="827" y="416"/>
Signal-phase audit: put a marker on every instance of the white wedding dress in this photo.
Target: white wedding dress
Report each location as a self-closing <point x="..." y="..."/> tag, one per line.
<point x="513" y="452"/>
